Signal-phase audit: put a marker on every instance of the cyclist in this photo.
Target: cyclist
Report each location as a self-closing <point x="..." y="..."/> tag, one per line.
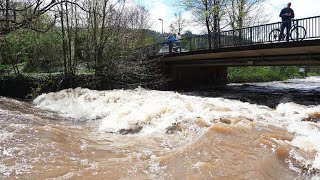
<point x="287" y="14"/>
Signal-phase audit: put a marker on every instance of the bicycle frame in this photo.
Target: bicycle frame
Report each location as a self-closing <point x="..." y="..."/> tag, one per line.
<point x="295" y="32"/>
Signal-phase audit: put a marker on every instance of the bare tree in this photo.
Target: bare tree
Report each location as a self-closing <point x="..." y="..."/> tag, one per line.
<point x="99" y="34"/>
<point x="208" y="13"/>
<point x="23" y="14"/>
<point x="242" y="13"/>
<point x="179" y="24"/>
<point x="103" y="29"/>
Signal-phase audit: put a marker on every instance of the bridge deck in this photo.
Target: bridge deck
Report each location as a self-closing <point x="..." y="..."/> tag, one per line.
<point x="271" y="54"/>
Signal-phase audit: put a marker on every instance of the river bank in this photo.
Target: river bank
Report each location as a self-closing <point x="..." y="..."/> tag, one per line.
<point x="28" y="87"/>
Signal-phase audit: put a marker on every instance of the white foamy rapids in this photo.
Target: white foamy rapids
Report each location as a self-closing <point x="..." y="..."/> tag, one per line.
<point x="155" y="111"/>
<point x="309" y="83"/>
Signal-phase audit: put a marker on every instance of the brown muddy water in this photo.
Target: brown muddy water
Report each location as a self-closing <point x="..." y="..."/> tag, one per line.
<point x="245" y="131"/>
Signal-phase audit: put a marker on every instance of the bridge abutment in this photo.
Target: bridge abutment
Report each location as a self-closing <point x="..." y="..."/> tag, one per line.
<point x="198" y="77"/>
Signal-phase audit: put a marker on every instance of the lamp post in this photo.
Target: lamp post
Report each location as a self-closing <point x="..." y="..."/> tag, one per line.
<point x="162" y="27"/>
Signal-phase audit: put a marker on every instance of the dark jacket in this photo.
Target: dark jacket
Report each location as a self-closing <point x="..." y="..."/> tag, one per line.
<point x="283" y="14"/>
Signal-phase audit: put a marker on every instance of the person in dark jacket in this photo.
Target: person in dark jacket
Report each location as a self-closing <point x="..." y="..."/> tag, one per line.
<point x="286" y="14"/>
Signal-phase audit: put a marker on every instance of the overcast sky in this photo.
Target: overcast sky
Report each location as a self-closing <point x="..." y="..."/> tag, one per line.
<point x="165" y="9"/>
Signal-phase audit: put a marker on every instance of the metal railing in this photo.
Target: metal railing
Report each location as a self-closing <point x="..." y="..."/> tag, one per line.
<point x="301" y="29"/>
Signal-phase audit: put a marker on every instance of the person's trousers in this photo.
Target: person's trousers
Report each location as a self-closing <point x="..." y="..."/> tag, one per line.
<point x="285" y="25"/>
<point x="170" y="47"/>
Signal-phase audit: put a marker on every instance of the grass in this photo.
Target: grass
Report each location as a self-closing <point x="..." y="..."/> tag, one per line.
<point x="261" y="74"/>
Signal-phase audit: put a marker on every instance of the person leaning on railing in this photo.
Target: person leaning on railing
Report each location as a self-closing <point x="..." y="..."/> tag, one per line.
<point x="171" y="39"/>
<point x="286" y="14"/>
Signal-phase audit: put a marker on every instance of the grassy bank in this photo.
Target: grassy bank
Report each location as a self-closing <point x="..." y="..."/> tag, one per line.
<point x="262" y="74"/>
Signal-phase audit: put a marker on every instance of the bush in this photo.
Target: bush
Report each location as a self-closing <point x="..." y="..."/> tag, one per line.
<point x="41" y="52"/>
<point x="261" y="74"/>
<point x="45" y="53"/>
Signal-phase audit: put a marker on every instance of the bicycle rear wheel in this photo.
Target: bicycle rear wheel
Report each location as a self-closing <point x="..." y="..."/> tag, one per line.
<point x="298" y="33"/>
<point x="274" y="35"/>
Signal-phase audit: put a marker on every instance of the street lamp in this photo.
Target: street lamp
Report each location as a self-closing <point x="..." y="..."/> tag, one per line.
<point x="162" y="27"/>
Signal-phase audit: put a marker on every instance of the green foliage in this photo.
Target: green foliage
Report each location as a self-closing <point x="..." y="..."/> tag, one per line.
<point x="186" y="41"/>
<point x="45" y="53"/>
<point x="13" y="48"/>
<point x="313" y="74"/>
<point x="2" y="67"/>
<point x="188" y="34"/>
<point x="261" y="74"/>
<point x="40" y="51"/>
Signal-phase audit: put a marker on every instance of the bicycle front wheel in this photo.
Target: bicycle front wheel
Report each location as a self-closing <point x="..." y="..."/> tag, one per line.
<point x="298" y="33"/>
<point x="274" y="35"/>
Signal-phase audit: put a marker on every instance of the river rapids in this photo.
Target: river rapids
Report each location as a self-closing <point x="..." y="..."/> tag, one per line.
<point x="244" y="131"/>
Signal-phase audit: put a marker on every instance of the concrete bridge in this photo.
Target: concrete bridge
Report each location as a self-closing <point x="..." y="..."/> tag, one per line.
<point x="204" y="59"/>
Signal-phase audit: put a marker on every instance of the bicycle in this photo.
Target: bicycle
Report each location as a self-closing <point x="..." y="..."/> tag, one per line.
<point x="296" y="33"/>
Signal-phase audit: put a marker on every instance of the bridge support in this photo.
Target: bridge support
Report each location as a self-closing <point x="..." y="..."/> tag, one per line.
<point x="196" y="77"/>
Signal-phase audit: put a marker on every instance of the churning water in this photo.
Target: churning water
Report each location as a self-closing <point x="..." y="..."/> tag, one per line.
<point x="245" y="131"/>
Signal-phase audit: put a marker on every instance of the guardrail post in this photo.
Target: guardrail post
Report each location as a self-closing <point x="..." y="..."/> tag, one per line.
<point x="240" y="37"/>
<point x="233" y="38"/>
<point x="297" y="31"/>
<point x="215" y="40"/>
<point x="251" y="35"/>
<point x="219" y="40"/>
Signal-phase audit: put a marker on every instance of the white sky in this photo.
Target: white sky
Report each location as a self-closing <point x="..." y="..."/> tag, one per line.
<point x="165" y="10"/>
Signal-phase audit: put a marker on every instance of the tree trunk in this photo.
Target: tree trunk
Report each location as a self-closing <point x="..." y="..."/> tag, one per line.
<point x="216" y="22"/>
<point x="7" y="26"/>
<point x="69" y="39"/>
<point x="241" y="13"/>
<point x="95" y="43"/>
<point x="102" y="38"/>
<point x="64" y="44"/>
<point x="77" y="51"/>
<point x="208" y="25"/>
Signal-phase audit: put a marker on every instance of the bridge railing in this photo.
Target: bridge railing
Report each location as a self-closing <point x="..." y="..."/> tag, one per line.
<point x="301" y="29"/>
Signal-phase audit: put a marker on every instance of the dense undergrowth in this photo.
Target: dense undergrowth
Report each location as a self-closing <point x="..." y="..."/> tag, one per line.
<point x="264" y="74"/>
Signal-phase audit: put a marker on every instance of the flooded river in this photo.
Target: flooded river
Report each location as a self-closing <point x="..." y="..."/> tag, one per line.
<point x="244" y="131"/>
